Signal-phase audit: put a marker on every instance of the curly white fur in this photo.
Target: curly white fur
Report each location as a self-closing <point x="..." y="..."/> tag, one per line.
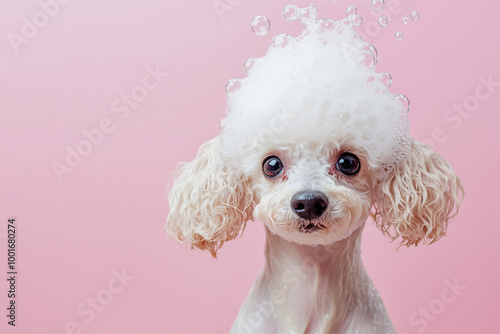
<point x="208" y="204"/>
<point x="419" y="198"/>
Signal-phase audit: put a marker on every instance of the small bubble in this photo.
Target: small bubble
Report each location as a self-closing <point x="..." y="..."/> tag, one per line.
<point x="310" y="13"/>
<point x="383" y="20"/>
<point x="260" y="25"/>
<point x="399" y="35"/>
<point x="249" y="64"/>
<point x="357" y="37"/>
<point x="366" y="60"/>
<point x="372" y="50"/>
<point x="415" y="15"/>
<point x="405" y="20"/>
<point x="351" y="11"/>
<point x="233" y="86"/>
<point x="280" y="40"/>
<point x="386" y="79"/>
<point x="378" y="5"/>
<point x="403" y="100"/>
<point x="291" y="12"/>
<point x="356" y="20"/>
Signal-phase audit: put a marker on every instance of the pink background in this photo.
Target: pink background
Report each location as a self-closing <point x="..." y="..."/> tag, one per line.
<point x="108" y="213"/>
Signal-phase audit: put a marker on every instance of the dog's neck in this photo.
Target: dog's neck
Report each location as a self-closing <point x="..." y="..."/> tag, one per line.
<point x="321" y="280"/>
<point x="336" y="262"/>
<point x="322" y="289"/>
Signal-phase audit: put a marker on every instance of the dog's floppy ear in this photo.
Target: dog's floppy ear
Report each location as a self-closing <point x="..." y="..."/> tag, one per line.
<point x="209" y="204"/>
<point x="419" y="198"/>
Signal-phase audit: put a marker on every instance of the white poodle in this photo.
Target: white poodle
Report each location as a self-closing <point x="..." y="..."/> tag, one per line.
<point x="312" y="143"/>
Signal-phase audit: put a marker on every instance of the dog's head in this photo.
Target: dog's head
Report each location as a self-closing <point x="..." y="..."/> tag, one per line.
<point x="312" y="142"/>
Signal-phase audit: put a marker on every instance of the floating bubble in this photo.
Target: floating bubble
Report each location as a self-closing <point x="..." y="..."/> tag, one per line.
<point x="405" y="103"/>
<point x="365" y="60"/>
<point x="351" y="11"/>
<point x="378" y="5"/>
<point x="248" y="65"/>
<point x="383" y="20"/>
<point x="386" y="79"/>
<point x="415" y="15"/>
<point x="260" y="25"/>
<point x="233" y="86"/>
<point x="405" y="20"/>
<point x="291" y="13"/>
<point x="399" y="35"/>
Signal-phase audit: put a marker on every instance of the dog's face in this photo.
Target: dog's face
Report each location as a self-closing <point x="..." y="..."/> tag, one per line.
<point x="312" y="193"/>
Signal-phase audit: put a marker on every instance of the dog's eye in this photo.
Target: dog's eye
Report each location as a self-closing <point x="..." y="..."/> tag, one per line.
<point x="272" y="166"/>
<point x="348" y="164"/>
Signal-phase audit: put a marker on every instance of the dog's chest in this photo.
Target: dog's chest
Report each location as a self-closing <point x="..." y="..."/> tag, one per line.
<point x="297" y="300"/>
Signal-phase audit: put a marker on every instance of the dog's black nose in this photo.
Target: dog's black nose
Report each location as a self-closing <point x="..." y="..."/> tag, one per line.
<point x="309" y="204"/>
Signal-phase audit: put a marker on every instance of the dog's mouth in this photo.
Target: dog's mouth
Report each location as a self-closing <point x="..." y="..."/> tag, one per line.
<point x="310" y="227"/>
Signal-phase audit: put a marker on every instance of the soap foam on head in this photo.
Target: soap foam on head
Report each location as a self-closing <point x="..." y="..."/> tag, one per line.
<point x="320" y="86"/>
